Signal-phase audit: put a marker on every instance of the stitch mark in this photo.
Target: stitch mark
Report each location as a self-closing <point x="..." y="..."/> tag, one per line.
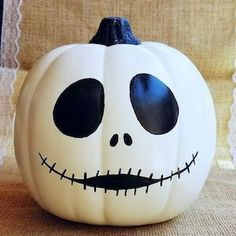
<point x="129" y="172"/>
<point x="178" y="172"/>
<point x="63" y="174"/>
<point x="139" y="172"/>
<point x="43" y="159"/>
<point x="194" y="158"/>
<point x="171" y="175"/>
<point x="187" y="166"/>
<point x="72" y="179"/>
<point x="120" y="181"/>
<point x="52" y="168"/>
<point x="161" y="181"/>
<point x="85" y="177"/>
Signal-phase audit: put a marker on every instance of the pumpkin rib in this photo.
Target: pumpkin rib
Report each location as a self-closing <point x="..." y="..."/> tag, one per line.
<point x="26" y="97"/>
<point x="153" y="47"/>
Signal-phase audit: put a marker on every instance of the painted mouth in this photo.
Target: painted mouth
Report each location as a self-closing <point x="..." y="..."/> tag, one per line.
<point x="119" y="181"/>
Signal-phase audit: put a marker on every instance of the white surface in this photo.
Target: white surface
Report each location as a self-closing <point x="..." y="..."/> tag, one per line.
<point x="158" y="154"/>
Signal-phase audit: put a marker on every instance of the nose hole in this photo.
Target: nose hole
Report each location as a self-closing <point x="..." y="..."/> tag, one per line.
<point x="114" y="140"/>
<point x="127" y="139"/>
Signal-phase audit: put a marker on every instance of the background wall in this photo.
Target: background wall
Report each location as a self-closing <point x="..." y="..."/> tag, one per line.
<point x="202" y="29"/>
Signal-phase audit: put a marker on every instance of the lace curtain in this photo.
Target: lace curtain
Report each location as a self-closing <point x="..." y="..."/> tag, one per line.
<point x="8" y="68"/>
<point x="232" y="123"/>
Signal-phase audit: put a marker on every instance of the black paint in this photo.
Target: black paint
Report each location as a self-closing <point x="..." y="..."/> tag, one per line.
<point x="114" y="140"/>
<point x="79" y="109"/>
<point x="154" y="104"/>
<point x="114" y="30"/>
<point x="120" y="181"/>
<point x="127" y="139"/>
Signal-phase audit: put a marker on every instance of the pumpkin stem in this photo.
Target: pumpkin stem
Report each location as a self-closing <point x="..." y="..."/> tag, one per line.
<point x="114" y="30"/>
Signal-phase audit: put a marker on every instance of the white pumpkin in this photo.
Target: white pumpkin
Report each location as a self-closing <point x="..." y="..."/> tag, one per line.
<point x="117" y="135"/>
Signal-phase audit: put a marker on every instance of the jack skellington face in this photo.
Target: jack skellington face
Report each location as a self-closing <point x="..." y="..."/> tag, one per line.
<point x="79" y="110"/>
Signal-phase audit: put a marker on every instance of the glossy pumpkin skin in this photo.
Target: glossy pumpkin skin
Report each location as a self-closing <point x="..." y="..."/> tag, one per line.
<point x="122" y="142"/>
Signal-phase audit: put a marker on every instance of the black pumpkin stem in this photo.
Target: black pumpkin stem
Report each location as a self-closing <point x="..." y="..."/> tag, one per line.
<point x="114" y="30"/>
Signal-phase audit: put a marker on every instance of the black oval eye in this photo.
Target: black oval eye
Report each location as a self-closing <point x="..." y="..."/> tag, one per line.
<point x="79" y="108"/>
<point x="154" y="104"/>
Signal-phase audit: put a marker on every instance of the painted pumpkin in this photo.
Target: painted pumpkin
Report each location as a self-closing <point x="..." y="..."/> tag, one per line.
<point x="116" y="131"/>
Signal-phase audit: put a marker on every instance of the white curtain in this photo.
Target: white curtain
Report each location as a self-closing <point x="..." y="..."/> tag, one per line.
<point x="8" y="68"/>
<point x="232" y="123"/>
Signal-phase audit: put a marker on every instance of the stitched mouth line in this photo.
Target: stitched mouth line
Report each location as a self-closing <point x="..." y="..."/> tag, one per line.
<point x="120" y="181"/>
